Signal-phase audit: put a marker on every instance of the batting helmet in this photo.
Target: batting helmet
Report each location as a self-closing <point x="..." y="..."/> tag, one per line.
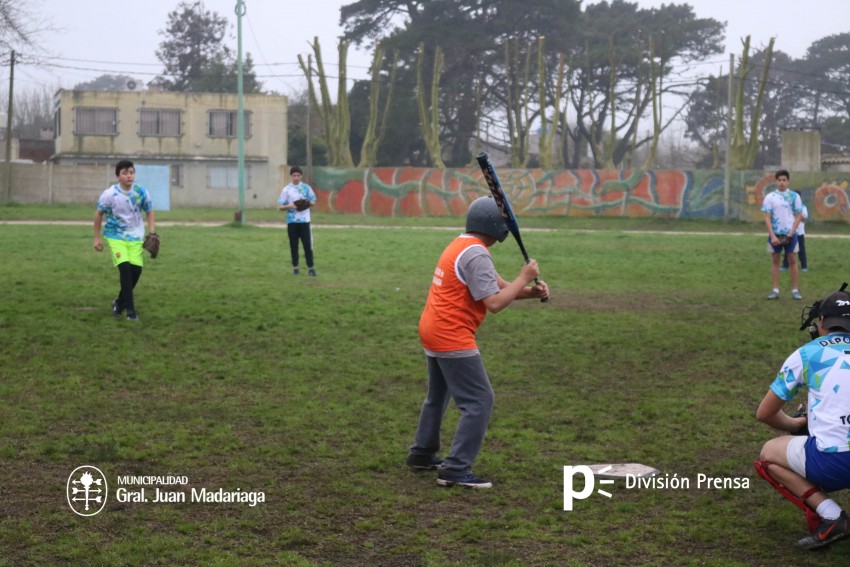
<point x="484" y="217"/>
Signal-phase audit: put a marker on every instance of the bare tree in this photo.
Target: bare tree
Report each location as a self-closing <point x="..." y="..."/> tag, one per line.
<point x="20" y="25"/>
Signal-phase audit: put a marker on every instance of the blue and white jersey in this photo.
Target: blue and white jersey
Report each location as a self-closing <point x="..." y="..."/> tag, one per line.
<point x="292" y="193"/>
<point x="783" y="206"/>
<point x="823" y="365"/>
<point x="801" y="228"/>
<point x="124" y="212"/>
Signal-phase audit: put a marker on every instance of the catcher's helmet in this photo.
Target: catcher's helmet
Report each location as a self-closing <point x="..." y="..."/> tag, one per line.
<point x="484" y="217"/>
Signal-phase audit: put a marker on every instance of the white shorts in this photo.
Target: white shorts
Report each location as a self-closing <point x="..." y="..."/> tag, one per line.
<point x="796" y="454"/>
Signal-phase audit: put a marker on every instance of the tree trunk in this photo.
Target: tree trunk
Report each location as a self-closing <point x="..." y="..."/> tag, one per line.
<point x="430" y="121"/>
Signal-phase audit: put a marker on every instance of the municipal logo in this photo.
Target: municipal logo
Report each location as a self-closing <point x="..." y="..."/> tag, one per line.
<point x="86" y="490"/>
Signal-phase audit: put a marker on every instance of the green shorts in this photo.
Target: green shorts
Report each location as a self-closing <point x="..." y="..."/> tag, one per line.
<point x="126" y="251"/>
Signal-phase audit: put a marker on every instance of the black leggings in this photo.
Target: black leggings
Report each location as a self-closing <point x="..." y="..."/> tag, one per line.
<point x="128" y="275"/>
<point x="300" y="231"/>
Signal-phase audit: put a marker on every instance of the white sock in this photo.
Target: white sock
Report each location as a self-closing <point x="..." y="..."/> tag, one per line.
<point x="776" y="290"/>
<point x="828" y="509"/>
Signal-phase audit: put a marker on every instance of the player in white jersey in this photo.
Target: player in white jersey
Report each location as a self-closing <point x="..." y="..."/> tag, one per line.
<point x="815" y="459"/>
<point x="783" y="210"/>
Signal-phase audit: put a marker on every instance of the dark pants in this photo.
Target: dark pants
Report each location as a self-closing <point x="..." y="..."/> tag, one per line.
<point x="128" y="275"/>
<point x="465" y="381"/>
<point x="300" y="231"/>
<point x="801" y="253"/>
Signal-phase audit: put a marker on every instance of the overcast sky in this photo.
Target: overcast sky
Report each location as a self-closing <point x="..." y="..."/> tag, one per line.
<point x="121" y="37"/>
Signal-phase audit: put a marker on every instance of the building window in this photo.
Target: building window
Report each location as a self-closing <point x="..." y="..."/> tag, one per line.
<point x="222" y="123"/>
<point x="226" y="176"/>
<point x="176" y="175"/>
<point x="96" y="121"/>
<point x="160" y="122"/>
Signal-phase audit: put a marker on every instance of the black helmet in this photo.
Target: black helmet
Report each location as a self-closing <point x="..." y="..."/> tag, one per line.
<point x="484" y="217"/>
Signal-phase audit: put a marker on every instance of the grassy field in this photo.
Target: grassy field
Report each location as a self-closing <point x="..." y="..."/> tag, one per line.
<point x="655" y="348"/>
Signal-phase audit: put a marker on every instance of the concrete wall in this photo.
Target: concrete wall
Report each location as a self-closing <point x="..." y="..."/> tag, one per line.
<point x="801" y="150"/>
<point x="83" y="184"/>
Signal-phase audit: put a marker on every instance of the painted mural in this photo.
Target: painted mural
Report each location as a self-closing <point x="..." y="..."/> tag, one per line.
<point x="407" y="191"/>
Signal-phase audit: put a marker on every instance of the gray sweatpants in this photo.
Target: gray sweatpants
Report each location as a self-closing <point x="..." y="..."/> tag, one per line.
<point x="465" y="381"/>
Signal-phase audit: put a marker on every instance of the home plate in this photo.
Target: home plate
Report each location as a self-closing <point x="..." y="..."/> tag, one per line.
<point x="618" y="471"/>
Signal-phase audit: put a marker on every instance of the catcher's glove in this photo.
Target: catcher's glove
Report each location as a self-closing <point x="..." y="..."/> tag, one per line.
<point x="301" y="204"/>
<point x="151" y="244"/>
<point x="802" y="411"/>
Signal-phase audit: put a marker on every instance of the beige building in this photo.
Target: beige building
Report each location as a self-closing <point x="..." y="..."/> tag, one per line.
<point x="194" y="134"/>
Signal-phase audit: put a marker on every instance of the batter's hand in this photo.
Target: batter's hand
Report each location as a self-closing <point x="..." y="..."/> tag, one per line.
<point x="540" y="290"/>
<point x="530" y="271"/>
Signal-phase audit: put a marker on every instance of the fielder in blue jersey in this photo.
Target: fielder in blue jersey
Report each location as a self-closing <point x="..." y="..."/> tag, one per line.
<point x="122" y="205"/>
<point x="298" y="220"/>
<point x="810" y="464"/>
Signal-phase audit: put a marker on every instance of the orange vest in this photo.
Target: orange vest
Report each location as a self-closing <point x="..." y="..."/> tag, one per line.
<point x="451" y="316"/>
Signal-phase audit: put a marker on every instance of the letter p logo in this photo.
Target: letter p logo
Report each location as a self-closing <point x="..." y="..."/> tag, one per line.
<point x="589" y="484"/>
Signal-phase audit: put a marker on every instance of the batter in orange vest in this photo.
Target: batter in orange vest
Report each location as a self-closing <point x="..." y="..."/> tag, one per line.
<point x="464" y="288"/>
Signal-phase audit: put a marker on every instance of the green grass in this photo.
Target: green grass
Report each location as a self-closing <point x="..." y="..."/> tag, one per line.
<point x="655" y="348"/>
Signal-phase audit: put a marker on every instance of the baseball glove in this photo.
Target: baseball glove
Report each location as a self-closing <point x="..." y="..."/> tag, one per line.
<point x="301" y="204"/>
<point x="784" y="239"/>
<point x="802" y="411"/>
<point x="151" y="244"/>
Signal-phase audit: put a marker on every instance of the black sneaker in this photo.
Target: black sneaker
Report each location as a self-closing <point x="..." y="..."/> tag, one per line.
<point x="116" y="311"/>
<point x="467" y="481"/>
<point x="311" y="272"/>
<point x="828" y="532"/>
<point x="132" y="316"/>
<point x="423" y="462"/>
<point x="295" y="271"/>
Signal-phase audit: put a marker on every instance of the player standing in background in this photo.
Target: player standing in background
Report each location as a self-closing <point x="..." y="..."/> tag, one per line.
<point x="783" y="211"/>
<point x="298" y="222"/>
<point x="122" y="205"/>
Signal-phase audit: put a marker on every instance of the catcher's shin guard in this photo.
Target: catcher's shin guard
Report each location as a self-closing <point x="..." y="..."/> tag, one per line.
<point x="812" y="518"/>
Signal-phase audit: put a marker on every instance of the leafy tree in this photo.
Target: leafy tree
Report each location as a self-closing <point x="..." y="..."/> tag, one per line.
<point x="836" y="135"/>
<point x="403" y="142"/>
<point x="470" y="35"/>
<point x="195" y="56"/>
<point x="106" y="83"/>
<point x="758" y="127"/>
<point x="826" y="70"/>
<point x="706" y="117"/>
<point x="618" y="58"/>
<point x="623" y="65"/>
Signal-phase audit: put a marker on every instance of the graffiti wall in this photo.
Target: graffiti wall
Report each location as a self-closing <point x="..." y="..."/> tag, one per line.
<point x="406" y="191"/>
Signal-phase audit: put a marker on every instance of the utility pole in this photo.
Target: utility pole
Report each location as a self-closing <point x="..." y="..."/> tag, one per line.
<point x="7" y="196"/>
<point x="240" y="116"/>
<point x="309" y="103"/>
<point x="728" y="170"/>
